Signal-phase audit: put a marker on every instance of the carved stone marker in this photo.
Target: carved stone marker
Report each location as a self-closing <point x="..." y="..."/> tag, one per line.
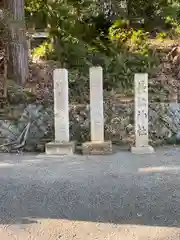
<point x="141" y="115"/>
<point x="97" y="144"/>
<point x="61" y="115"/>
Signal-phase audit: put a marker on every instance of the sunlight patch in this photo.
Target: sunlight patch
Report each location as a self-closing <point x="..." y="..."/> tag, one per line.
<point x="159" y="169"/>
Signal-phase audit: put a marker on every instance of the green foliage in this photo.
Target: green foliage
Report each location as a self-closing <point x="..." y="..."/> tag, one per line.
<point x="43" y="51"/>
<point x="35" y="11"/>
<point x="139" y="37"/>
<point x="85" y="34"/>
<point x="33" y="6"/>
<point x="171" y="15"/>
<point x="120" y="30"/>
<point x="161" y="35"/>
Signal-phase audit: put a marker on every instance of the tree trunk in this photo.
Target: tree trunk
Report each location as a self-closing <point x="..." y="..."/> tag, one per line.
<point x="18" y="42"/>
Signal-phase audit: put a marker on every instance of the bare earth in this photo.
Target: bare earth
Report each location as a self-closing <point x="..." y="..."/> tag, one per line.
<point x="118" y="197"/>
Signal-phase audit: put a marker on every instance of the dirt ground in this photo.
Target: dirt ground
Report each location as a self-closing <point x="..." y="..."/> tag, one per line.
<point x="118" y="197"/>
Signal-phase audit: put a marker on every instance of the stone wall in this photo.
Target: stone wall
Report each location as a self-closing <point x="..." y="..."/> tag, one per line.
<point x="164" y="124"/>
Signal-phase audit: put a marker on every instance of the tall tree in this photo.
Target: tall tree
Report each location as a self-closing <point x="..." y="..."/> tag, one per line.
<point x="18" y="47"/>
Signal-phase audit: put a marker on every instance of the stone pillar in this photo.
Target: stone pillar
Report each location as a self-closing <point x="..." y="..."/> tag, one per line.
<point x="61" y="145"/>
<point x="97" y="144"/>
<point x="96" y="104"/>
<point x="141" y="115"/>
<point x="61" y="105"/>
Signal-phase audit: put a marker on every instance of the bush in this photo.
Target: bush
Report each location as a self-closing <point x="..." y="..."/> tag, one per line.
<point x="122" y="51"/>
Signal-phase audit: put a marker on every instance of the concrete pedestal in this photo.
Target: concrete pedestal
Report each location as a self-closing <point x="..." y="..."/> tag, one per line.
<point x="143" y="150"/>
<point x="97" y="148"/>
<point x="60" y="148"/>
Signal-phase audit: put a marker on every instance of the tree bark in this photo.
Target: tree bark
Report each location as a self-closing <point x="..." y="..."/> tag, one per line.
<point x="18" y="42"/>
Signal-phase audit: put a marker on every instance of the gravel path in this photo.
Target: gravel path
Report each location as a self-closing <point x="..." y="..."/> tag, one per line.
<point x="118" y="197"/>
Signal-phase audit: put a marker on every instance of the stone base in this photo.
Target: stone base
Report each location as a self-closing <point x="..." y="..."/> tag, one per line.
<point x="59" y="148"/>
<point x="142" y="150"/>
<point x="97" y="148"/>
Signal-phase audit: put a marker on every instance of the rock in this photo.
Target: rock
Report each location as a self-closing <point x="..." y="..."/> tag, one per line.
<point x="164" y="124"/>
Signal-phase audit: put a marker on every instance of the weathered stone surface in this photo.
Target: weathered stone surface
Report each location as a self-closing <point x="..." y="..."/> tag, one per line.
<point x="164" y="124"/>
<point x="96" y="104"/>
<point x="141" y="109"/>
<point x="60" y="148"/>
<point x="40" y="121"/>
<point x="142" y="150"/>
<point x="97" y="148"/>
<point x="141" y="124"/>
<point x="97" y="145"/>
<point x="61" y="105"/>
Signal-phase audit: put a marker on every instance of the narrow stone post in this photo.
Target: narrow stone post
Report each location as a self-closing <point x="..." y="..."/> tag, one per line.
<point x="141" y="115"/>
<point x="97" y="144"/>
<point x="96" y="105"/>
<point x="61" y="145"/>
<point x="61" y="105"/>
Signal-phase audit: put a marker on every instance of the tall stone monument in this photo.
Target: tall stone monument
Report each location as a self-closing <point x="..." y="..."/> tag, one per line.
<point x="61" y="145"/>
<point x="141" y="115"/>
<point x="97" y="144"/>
